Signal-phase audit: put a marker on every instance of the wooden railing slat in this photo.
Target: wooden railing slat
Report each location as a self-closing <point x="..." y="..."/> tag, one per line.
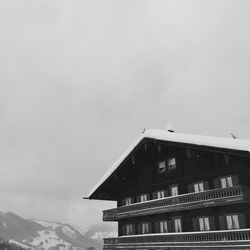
<point x="213" y="236"/>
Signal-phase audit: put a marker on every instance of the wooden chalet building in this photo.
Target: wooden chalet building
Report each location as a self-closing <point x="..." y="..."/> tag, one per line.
<point x="178" y="191"/>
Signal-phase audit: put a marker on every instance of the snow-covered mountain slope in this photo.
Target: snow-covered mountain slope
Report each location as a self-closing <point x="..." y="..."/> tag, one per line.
<point x="47" y="235"/>
<point x="100" y="231"/>
<point x="14" y="227"/>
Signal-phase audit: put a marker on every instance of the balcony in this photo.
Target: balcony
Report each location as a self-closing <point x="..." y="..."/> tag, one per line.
<point x="213" y="197"/>
<point x="228" y="239"/>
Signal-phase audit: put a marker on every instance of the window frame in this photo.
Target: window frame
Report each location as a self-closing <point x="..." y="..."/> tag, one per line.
<point x="226" y="181"/>
<point x="144" y="227"/>
<point x="204" y="223"/>
<point x="128" y="201"/>
<point x="166" y="165"/>
<point x="129" y="229"/>
<point x="161" y="192"/>
<point x="197" y="183"/>
<point x="163" y="224"/>
<point x="173" y="222"/>
<point x="170" y="167"/>
<point x="144" y="195"/>
<point x="231" y="215"/>
<point x="173" y="186"/>
<point x="162" y="169"/>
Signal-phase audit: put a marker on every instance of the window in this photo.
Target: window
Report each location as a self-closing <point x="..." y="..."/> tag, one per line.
<point x="161" y="167"/>
<point x="163" y="226"/>
<point x="226" y="182"/>
<point x="171" y="164"/>
<point x="204" y="224"/>
<point x="198" y="187"/>
<point x="129" y="229"/>
<point x="160" y="194"/>
<point x="144" y="228"/>
<point x="128" y="201"/>
<point x="174" y="190"/>
<point x="142" y="197"/>
<point x="177" y="225"/>
<point x="232" y="221"/>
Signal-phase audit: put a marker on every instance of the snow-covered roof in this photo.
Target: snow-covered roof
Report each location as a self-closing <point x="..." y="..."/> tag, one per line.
<point x="217" y="142"/>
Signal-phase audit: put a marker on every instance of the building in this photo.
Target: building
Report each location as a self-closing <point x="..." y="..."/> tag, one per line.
<point x="178" y="191"/>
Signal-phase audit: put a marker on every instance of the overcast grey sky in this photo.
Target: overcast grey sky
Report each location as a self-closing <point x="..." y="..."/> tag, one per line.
<point x="79" y="80"/>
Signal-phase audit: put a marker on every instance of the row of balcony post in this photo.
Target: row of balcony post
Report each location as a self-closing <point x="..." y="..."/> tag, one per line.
<point x="173" y="202"/>
<point x="240" y="236"/>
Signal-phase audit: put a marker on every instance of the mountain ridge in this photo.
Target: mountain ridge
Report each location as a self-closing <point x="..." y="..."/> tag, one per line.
<point x="51" y="235"/>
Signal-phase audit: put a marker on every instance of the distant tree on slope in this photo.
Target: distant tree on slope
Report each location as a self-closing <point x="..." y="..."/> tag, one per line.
<point x="10" y="246"/>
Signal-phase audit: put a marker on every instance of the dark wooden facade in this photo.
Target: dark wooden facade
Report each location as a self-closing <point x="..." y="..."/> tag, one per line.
<point x="150" y="214"/>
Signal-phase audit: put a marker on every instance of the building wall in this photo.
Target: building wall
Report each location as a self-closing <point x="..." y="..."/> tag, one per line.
<point x="198" y="166"/>
<point x="189" y="216"/>
<point x="192" y="165"/>
<point x="138" y="174"/>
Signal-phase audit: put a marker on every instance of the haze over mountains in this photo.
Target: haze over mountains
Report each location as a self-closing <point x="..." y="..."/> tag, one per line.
<point x="47" y="235"/>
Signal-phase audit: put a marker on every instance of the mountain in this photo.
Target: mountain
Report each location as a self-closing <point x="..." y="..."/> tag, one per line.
<point x="100" y="231"/>
<point x="47" y="235"/>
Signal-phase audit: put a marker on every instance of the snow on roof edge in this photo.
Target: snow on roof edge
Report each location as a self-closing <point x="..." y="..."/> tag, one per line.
<point x="219" y="142"/>
<point x="115" y="165"/>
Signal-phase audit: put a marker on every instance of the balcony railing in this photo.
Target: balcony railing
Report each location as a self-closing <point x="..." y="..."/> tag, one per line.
<point x="213" y="197"/>
<point x="226" y="239"/>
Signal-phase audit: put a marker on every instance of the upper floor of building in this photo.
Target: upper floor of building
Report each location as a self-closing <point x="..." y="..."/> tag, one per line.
<point x="161" y="164"/>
